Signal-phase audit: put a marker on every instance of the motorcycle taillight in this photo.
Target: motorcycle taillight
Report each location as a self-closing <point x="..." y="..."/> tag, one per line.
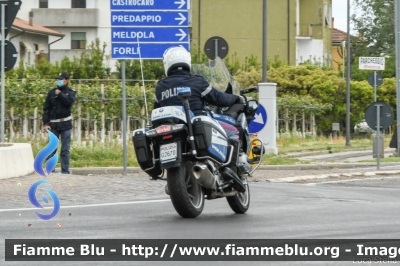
<point x="163" y="128"/>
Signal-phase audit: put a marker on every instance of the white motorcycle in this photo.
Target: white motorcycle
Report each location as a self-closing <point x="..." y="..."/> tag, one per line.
<point x="194" y="149"/>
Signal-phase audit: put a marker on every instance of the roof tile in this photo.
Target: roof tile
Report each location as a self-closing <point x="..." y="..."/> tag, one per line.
<point x="24" y="25"/>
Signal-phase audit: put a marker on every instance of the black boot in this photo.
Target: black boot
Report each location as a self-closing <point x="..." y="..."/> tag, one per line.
<point x="230" y="171"/>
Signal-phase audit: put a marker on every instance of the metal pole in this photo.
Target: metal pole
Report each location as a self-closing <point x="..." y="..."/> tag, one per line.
<point x="374" y="86"/>
<point x="348" y="77"/>
<point x="2" y="65"/>
<point x="378" y="135"/>
<point x="397" y="28"/>
<point x="343" y="46"/>
<point x="264" y="43"/>
<point x="124" y="114"/>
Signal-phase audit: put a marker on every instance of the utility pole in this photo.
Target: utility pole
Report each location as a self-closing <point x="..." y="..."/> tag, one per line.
<point x="397" y="36"/>
<point x="264" y="43"/>
<point x="348" y="77"/>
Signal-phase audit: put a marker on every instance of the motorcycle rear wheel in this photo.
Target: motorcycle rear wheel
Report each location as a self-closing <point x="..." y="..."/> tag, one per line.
<point x="186" y="194"/>
<point x="240" y="203"/>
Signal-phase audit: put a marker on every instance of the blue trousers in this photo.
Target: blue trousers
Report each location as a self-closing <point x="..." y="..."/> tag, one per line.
<point x="65" y="147"/>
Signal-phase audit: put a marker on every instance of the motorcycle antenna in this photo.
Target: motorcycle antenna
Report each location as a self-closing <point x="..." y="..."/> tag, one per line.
<point x="144" y="88"/>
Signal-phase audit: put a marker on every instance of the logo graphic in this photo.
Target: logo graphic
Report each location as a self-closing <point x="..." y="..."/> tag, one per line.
<point x="54" y="197"/>
<point x="44" y="153"/>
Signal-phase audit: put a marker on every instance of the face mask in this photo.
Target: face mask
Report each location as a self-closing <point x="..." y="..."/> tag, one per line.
<point x="60" y="82"/>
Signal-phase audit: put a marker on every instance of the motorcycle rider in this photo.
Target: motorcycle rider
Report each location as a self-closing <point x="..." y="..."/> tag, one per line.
<point x="177" y="65"/>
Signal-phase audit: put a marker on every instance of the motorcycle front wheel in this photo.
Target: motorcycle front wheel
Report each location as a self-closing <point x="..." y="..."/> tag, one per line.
<point x="240" y="203"/>
<point x="186" y="194"/>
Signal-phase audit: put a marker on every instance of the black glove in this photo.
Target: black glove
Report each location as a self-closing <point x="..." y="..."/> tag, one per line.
<point x="240" y="99"/>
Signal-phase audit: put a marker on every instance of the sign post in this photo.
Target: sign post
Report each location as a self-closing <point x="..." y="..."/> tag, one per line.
<point x="397" y="45"/>
<point x="144" y="32"/>
<point x="374" y="63"/>
<point x="379" y="116"/>
<point x="2" y="64"/>
<point x="9" y="10"/>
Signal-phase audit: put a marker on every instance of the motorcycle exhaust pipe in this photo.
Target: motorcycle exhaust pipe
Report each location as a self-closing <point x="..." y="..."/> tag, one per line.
<point x="203" y="176"/>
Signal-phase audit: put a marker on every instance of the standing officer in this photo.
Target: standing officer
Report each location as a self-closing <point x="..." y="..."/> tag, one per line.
<point x="57" y="116"/>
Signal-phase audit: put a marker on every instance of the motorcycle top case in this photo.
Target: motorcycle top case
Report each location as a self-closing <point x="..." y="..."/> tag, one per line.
<point x="210" y="138"/>
<point x="176" y="113"/>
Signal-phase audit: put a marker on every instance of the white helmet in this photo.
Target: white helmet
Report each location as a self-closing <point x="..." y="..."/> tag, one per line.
<point x="176" y="56"/>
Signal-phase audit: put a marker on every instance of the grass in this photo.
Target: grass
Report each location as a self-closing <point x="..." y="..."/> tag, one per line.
<point x="98" y="156"/>
<point x="292" y="144"/>
<point x="272" y="159"/>
<point x="108" y="155"/>
<point x="383" y="160"/>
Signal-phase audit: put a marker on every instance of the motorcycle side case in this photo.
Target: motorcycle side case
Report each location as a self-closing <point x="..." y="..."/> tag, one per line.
<point x="142" y="149"/>
<point x="210" y="138"/>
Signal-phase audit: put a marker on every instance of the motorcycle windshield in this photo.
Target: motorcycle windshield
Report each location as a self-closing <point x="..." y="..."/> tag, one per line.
<point x="217" y="74"/>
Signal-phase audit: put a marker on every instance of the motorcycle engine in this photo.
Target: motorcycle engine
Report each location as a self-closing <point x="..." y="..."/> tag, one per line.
<point x="243" y="164"/>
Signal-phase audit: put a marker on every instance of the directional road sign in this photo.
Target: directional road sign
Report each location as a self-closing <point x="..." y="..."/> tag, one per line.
<point x="259" y="121"/>
<point x="147" y="50"/>
<point x="171" y="5"/>
<point x="149" y="19"/>
<point x="148" y="35"/>
<point x="154" y="25"/>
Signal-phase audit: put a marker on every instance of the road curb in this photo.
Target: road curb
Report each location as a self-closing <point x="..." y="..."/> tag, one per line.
<point x="337" y="176"/>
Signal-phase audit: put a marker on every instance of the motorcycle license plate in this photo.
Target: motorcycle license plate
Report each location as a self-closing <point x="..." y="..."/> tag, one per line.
<point x="168" y="152"/>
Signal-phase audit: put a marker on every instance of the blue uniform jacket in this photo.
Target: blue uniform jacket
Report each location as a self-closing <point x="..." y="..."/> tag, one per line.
<point x="202" y="91"/>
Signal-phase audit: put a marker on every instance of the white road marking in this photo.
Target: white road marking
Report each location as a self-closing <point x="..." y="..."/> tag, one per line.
<point x="89" y="205"/>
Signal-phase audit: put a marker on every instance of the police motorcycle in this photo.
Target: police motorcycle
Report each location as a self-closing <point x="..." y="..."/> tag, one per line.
<point x="194" y="149"/>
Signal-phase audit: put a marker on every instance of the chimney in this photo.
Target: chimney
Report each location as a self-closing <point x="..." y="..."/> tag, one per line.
<point x="31" y="18"/>
<point x="333" y="22"/>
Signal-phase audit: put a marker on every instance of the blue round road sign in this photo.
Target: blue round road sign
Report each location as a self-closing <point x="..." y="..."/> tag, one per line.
<point x="259" y="120"/>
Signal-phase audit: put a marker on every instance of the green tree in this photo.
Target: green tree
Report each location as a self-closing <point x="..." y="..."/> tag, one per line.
<point x="374" y="20"/>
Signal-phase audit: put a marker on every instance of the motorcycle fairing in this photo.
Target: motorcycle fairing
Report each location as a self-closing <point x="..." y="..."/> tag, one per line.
<point x="225" y="118"/>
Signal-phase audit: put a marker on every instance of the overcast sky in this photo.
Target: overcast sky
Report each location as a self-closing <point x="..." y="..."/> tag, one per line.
<point x="339" y="12"/>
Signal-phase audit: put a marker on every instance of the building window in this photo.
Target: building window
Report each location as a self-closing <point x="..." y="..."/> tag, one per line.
<point x="78" y="3"/>
<point x="43" y="3"/>
<point x="78" y="40"/>
<point x="22" y="50"/>
<point x="328" y="15"/>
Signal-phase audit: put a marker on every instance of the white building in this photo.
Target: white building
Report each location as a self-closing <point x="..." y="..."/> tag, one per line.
<point x="80" y="21"/>
<point x="31" y="40"/>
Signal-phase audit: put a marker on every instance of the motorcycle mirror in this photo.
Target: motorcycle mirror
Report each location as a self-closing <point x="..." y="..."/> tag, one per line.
<point x="184" y="93"/>
<point x="252" y="105"/>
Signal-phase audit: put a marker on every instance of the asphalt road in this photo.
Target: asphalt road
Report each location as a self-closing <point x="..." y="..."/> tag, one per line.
<point x="365" y="208"/>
